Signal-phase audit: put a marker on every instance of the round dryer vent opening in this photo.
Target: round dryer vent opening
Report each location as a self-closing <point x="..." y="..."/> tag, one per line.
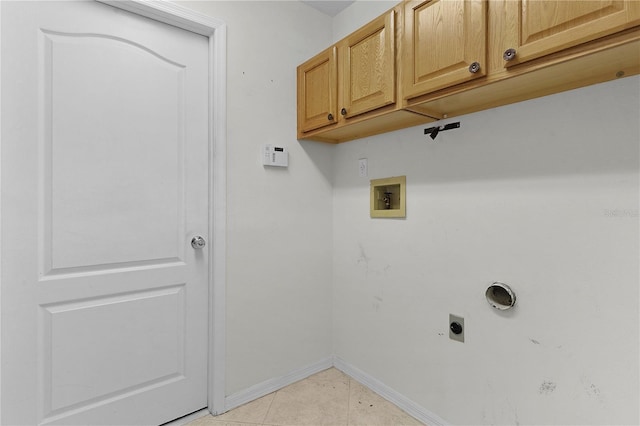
<point x="500" y="296"/>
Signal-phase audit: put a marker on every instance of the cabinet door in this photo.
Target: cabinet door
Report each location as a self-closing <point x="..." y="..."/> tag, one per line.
<point x="549" y="26"/>
<point x="368" y="77"/>
<point x="445" y="44"/>
<point x="317" y="91"/>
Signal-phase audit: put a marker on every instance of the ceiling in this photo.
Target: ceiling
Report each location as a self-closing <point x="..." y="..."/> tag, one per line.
<point x="329" y="7"/>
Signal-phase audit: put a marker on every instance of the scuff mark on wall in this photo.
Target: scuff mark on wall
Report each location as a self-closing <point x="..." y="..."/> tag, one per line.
<point x="516" y="421"/>
<point x="547" y="388"/>
<point x="534" y="341"/>
<point x="377" y="302"/>
<point x="363" y="256"/>
<point x="592" y="390"/>
<point x="363" y="259"/>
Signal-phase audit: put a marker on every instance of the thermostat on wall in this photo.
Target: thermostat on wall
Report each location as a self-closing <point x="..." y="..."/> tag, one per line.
<point x="275" y="156"/>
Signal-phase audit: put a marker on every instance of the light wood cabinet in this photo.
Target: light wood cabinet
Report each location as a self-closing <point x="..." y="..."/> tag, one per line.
<point x="559" y="45"/>
<point x="537" y="28"/>
<point x="431" y="59"/>
<point x="445" y="42"/>
<point x="368" y="67"/>
<point x="318" y="91"/>
<point x="351" y="89"/>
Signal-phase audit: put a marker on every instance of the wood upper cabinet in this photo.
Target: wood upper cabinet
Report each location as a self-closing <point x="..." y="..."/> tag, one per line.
<point x="547" y="26"/>
<point x="368" y="67"/>
<point x="430" y="59"/>
<point x="362" y="72"/>
<point x="444" y="44"/>
<point x="318" y="91"/>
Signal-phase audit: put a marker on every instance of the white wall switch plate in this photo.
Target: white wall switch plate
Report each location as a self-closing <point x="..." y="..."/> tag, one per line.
<point x="275" y="155"/>
<point x="363" y="168"/>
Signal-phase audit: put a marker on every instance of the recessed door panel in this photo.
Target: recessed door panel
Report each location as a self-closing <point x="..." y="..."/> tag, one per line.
<point x="113" y="181"/>
<point x="550" y="26"/>
<point x="318" y="91"/>
<point x="446" y="44"/>
<point x="89" y="364"/>
<point x="368" y="67"/>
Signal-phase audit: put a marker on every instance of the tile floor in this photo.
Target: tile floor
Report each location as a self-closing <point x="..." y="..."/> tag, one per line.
<point x="327" y="398"/>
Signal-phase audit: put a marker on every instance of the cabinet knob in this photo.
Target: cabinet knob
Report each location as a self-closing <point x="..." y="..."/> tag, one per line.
<point x="330" y="117"/>
<point x="509" y="54"/>
<point x="343" y="111"/>
<point x="474" y="67"/>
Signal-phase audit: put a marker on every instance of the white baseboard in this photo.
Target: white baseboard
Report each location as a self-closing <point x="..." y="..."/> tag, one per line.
<point x="272" y="385"/>
<point x="391" y="395"/>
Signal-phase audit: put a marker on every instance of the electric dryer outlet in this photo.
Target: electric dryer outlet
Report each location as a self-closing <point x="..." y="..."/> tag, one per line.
<point x="456" y="328"/>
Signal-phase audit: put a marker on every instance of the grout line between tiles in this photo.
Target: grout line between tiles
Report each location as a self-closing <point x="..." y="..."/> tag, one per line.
<point x="349" y="402"/>
<point x="264" y="419"/>
<point x="234" y="423"/>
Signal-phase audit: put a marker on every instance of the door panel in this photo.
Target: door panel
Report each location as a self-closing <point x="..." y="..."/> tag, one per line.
<point x="443" y="39"/>
<point x="551" y="26"/>
<point x="104" y="176"/>
<point x="110" y="151"/>
<point x="148" y="349"/>
<point x="318" y="91"/>
<point x="368" y="67"/>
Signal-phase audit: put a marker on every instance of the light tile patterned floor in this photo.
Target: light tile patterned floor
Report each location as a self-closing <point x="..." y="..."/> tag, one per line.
<point x="327" y="398"/>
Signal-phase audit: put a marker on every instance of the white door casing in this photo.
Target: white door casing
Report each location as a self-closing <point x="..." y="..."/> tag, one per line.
<point x="110" y="250"/>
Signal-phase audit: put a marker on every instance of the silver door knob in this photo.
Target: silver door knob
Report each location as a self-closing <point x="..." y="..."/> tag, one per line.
<point x="198" y="242"/>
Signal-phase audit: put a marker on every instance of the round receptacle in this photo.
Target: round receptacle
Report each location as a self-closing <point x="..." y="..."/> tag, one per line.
<point x="500" y="296"/>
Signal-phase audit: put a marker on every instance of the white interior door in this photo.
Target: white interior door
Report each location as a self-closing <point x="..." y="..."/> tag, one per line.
<point x="104" y="178"/>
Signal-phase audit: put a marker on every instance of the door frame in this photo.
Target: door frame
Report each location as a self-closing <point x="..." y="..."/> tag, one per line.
<point x="216" y="31"/>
